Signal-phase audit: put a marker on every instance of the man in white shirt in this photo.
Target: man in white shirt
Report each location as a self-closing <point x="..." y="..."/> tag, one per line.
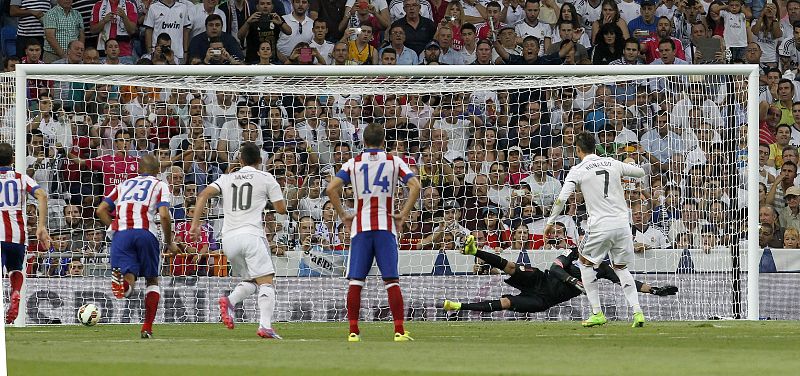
<point x="530" y="25"/>
<point x="543" y="186"/>
<point x="302" y="29"/>
<point x="324" y="47"/>
<point x="198" y="13"/>
<point x="170" y="17"/>
<point x="645" y="234"/>
<point x="608" y="232"/>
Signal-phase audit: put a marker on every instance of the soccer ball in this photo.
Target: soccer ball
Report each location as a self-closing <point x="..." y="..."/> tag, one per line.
<point x="89" y="314"/>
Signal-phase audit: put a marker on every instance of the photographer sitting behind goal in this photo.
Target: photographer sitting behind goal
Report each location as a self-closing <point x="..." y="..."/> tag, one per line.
<point x="216" y="54"/>
<point x="227" y="47"/>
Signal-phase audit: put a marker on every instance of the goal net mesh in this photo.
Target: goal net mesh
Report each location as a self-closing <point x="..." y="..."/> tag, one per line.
<point x="491" y="152"/>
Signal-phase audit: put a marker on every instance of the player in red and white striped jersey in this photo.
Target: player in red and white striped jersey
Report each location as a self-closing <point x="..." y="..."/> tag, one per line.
<point x="374" y="175"/>
<point x="135" y="251"/>
<point x="14" y="190"/>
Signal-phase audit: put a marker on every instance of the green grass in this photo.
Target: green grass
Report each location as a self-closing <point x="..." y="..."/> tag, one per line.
<point x="441" y="348"/>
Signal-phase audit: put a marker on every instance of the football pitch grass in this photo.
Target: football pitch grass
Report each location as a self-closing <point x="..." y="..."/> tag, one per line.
<point x="441" y="348"/>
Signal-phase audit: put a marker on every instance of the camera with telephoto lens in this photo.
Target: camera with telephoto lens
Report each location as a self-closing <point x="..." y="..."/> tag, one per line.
<point x="165" y="50"/>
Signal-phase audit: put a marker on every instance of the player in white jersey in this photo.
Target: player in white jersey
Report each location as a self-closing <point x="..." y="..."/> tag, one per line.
<point x="14" y="189"/>
<point x="608" y="232"/>
<point x="245" y="194"/>
<point x="374" y="174"/>
<point x="135" y="251"/>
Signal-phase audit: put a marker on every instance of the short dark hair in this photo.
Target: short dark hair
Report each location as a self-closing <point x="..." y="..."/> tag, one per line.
<point x="164" y="36"/>
<point x="789" y="163"/>
<point x="586" y="142"/>
<point x="633" y="40"/>
<point x="249" y="153"/>
<point x="388" y="50"/>
<point x="7" y="61"/>
<point x="33" y="42"/>
<point x="213" y="17"/>
<point x="667" y="40"/>
<point x="469" y="26"/>
<point x="782" y="126"/>
<point x="6" y="154"/>
<point x="121" y="132"/>
<point x="374" y="135"/>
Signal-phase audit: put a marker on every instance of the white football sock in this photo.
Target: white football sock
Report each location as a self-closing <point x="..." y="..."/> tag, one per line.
<point x="589" y="278"/>
<point x="266" y="304"/>
<point x="242" y="291"/>
<point x="629" y="288"/>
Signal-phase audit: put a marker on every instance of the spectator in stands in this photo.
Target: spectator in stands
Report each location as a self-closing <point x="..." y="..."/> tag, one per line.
<point x="767" y="214"/>
<point x="791" y="238"/>
<point x="163" y="52"/>
<point x="319" y="42"/>
<point x="766" y="235"/>
<point x="783" y="136"/>
<point x="169" y="17"/>
<point x="301" y="29"/>
<point x="790" y="215"/>
<point x="200" y="11"/>
<point x="543" y="186"/>
<point x="419" y="30"/>
<point x="359" y="48"/>
<point x="56" y="261"/>
<point x="203" y="45"/>
<point x="645" y="25"/>
<point x="500" y="191"/>
<point x="62" y="25"/>
<point x="783" y="182"/>
<point x="662" y="142"/>
<point x="554" y="241"/>
<point x="651" y="45"/>
<point x="94" y="248"/>
<point x="115" y="167"/>
<point x="117" y="20"/>
<point x="517" y="170"/>
<point x="75" y="268"/>
<point x="645" y="234"/>
<point x="311" y="201"/>
<point x="520" y="240"/>
<point x="264" y="25"/>
<point x="449" y="225"/>
<point x="231" y="134"/>
<point x="198" y="165"/>
<point x="404" y="55"/>
<point x="530" y="53"/>
<point x="608" y="45"/>
<point x="497" y="233"/>
<point x="113" y="56"/>
<point x="689" y="221"/>
<point x="29" y="15"/>
<point x="469" y="46"/>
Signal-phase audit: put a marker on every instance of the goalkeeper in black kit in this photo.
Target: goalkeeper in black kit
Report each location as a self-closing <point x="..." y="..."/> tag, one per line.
<point x="540" y="290"/>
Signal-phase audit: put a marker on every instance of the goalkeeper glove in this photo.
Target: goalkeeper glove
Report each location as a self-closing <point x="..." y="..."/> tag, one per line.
<point x="664" y="291"/>
<point x="577" y="283"/>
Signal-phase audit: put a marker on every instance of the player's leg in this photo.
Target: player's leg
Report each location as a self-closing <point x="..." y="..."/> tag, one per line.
<point x="521" y="278"/>
<point x="259" y="265"/>
<point x="501" y="304"/>
<point x="385" y="245"/>
<point x="361" y="256"/>
<point x="13" y="256"/>
<point x="233" y="249"/>
<point x="124" y="263"/>
<point x="592" y="251"/>
<point x="489" y="258"/>
<point x="621" y="256"/>
<point x="149" y="258"/>
<point x="266" y="306"/>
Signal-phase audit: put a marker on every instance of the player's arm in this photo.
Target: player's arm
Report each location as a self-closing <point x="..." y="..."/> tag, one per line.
<point x="334" y="191"/>
<point x="104" y="213"/>
<point x="212" y="190"/>
<point x="41" y="224"/>
<point x="166" y="227"/>
<point x="560" y="202"/>
<point x="280" y="207"/>
<point x="631" y="170"/>
<point x="559" y="269"/>
<point x="414" y="188"/>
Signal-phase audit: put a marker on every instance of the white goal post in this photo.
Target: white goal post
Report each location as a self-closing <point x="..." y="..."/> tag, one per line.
<point x="386" y="79"/>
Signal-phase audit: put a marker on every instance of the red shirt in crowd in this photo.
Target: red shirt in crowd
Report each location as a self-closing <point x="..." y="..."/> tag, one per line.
<point x="115" y="169"/>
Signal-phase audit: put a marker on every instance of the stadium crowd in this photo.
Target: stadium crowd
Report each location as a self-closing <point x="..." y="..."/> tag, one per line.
<point x="491" y="162"/>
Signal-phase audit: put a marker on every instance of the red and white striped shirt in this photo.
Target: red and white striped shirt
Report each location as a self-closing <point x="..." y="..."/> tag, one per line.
<point x="137" y="201"/>
<point x="14" y="190"/>
<point x="374" y="174"/>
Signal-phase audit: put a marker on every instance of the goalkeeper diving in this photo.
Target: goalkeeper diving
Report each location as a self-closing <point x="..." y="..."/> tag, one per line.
<point x="540" y="290"/>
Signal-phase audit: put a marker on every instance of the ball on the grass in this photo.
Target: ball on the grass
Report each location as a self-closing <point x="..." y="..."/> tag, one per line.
<point x="88" y="314"/>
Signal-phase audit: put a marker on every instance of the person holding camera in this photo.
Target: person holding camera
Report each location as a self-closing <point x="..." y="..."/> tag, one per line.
<point x="226" y="50"/>
<point x="163" y="50"/>
<point x="303" y="54"/>
<point x="264" y="25"/>
<point x="216" y="54"/>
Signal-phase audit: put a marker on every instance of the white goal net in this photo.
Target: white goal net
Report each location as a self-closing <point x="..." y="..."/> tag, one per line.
<point x="491" y="148"/>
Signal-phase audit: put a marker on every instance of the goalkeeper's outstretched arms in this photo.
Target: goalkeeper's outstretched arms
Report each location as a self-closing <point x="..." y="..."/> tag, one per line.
<point x="605" y="271"/>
